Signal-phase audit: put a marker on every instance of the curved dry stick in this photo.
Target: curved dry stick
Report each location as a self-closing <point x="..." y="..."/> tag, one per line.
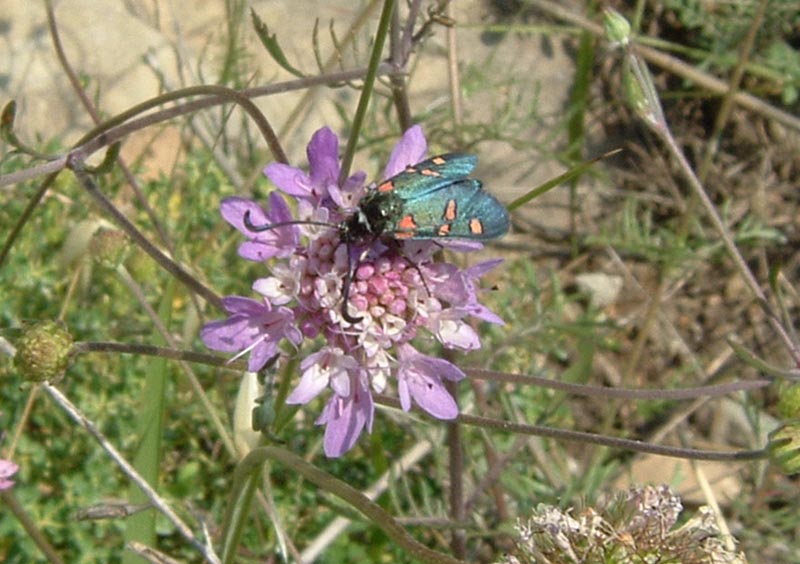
<point x="374" y="512"/>
<point x="96" y="138"/>
<point x="130" y="229"/>
<point x="592" y="438"/>
<point x="620" y="393"/>
<point x="613" y="442"/>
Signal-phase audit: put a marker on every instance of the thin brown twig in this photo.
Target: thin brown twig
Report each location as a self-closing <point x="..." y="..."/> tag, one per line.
<point x="620" y="393"/>
<point x="592" y="438"/>
<point x="89" y="106"/>
<point x="143" y="242"/>
<point x="123" y="124"/>
<point x="84" y="347"/>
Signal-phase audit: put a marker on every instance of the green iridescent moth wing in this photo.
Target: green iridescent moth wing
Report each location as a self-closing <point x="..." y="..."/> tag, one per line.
<point x="457" y="210"/>
<point x="419" y="180"/>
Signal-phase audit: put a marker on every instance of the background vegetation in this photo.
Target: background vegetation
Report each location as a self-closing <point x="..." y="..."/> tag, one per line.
<point x="618" y="278"/>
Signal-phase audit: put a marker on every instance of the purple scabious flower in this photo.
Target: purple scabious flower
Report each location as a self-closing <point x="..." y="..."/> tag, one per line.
<point x="7" y="469"/>
<point x="395" y="289"/>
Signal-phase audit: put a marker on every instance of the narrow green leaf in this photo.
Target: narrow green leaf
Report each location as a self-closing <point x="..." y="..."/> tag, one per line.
<point x="147" y="460"/>
<point x="238" y="512"/>
<point x="749" y="357"/>
<point x="270" y="43"/>
<point x="553" y="182"/>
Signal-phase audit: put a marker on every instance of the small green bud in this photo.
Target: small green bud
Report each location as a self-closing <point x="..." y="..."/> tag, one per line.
<point x="789" y="403"/>
<point x="640" y="91"/>
<point x="633" y="91"/>
<point x="784" y="447"/>
<point x="109" y="247"/>
<point x="618" y="30"/>
<point x="43" y="352"/>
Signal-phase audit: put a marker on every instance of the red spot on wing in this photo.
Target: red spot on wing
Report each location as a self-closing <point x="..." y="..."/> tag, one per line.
<point x="476" y="226"/>
<point x="406" y="228"/>
<point x="407" y="223"/>
<point x="387" y="186"/>
<point x="444" y="230"/>
<point x="450" y="210"/>
<point x="430" y="172"/>
<point x="439" y="161"/>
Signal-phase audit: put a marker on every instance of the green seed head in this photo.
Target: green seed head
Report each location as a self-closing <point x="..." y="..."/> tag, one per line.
<point x="784" y="447"/>
<point x="789" y="404"/>
<point x="43" y="352"/>
<point x="618" y="30"/>
<point x="109" y="247"/>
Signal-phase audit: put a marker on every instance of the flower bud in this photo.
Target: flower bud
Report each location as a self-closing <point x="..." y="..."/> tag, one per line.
<point x="618" y="30"/>
<point x="640" y="90"/>
<point x="789" y="403"/>
<point x="109" y="247"/>
<point x="784" y="447"/>
<point x="7" y="469"/>
<point x="43" y="352"/>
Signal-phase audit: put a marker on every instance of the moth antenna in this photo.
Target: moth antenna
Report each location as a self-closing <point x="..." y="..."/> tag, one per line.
<point x="248" y="223"/>
<point x="346" y="288"/>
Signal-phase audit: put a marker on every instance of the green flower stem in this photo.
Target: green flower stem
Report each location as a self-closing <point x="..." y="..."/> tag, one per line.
<point x="366" y="91"/>
<point x="85" y="347"/>
<point x="26" y="214"/>
<point x="301" y="108"/>
<point x="238" y="512"/>
<point x="31" y="528"/>
<point x="249" y="470"/>
<point x="400" y="465"/>
<point x="152" y="400"/>
<point x="573" y="172"/>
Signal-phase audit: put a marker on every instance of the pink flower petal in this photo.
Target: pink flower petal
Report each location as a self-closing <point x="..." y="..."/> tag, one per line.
<point x="410" y="150"/>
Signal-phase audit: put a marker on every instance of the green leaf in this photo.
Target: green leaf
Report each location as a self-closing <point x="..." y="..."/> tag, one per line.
<point x="271" y="45"/>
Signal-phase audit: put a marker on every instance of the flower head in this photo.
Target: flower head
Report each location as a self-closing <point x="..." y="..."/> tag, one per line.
<point x="7" y="469"/>
<point x="392" y="292"/>
<point x="252" y="327"/>
<point x="43" y="352"/>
